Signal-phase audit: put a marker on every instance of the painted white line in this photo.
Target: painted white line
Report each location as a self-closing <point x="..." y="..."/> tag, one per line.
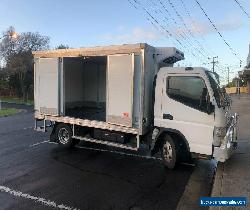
<point x="51" y="142"/>
<point x="43" y="142"/>
<point x="42" y="201"/>
<point x="27" y="128"/>
<point x="36" y="144"/>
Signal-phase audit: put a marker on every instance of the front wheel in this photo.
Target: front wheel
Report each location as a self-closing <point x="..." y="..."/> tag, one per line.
<point x="169" y="152"/>
<point x="64" y="136"/>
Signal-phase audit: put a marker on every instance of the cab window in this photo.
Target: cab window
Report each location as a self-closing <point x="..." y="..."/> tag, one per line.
<point x="189" y="90"/>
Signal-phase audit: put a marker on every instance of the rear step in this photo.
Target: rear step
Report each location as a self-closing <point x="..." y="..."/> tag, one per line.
<point x="105" y="142"/>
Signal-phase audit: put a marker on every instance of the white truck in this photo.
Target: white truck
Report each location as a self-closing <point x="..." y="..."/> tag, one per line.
<point x="131" y="97"/>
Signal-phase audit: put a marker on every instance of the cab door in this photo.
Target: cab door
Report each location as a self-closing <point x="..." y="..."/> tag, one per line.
<point x="183" y="110"/>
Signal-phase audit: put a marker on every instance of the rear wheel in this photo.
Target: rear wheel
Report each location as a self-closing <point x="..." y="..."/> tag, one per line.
<point x="169" y="152"/>
<point x="64" y="136"/>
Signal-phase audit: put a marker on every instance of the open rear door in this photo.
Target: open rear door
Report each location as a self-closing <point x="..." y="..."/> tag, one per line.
<point x="47" y="87"/>
<point x="120" y="89"/>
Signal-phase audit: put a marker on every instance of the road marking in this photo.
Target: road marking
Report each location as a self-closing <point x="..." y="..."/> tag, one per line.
<point x="43" y="142"/>
<point x="51" y="142"/>
<point x="42" y="201"/>
<point x="27" y="128"/>
<point x="33" y="145"/>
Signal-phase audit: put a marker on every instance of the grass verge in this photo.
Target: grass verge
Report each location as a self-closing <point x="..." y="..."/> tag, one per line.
<point x="7" y="112"/>
<point x="17" y="101"/>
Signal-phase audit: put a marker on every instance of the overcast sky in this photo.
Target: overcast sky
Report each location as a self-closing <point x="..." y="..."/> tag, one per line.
<point x="79" y="23"/>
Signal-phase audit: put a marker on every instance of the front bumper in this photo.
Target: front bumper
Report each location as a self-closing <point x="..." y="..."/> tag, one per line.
<point x="229" y="144"/>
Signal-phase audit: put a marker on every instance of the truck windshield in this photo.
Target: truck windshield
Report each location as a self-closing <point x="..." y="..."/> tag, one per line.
<point x="216" y="88"/>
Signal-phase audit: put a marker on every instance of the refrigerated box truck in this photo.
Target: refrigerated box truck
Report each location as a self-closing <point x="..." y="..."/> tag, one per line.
<point x="131" y="97"/>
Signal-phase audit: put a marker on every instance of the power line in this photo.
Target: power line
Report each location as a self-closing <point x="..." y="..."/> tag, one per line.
<point x="165" y="20"/>
<point x="154" y="20"/>
<point x="188" y="43"/>
<point x="156" y="23"/>
<point x="194" y="25"/>
<point x="186" y="27"/>
<point x="197" y="30"/>
<point x="242" y="8"/>
<point x="180" y="32"/>
<point x="216" y="29"/>
<point x="151" y="22"/>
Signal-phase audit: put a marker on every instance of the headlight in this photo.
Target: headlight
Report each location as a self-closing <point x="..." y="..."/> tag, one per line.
<point x="220" y="131"/>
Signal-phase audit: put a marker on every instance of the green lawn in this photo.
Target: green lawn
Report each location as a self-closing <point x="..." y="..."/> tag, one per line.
<point x="6" y="112"/>
<point x="17" y="101"/>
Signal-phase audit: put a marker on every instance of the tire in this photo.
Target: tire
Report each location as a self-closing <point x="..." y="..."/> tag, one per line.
<point x="64" y="136"/>
<point x="169" y="152"/>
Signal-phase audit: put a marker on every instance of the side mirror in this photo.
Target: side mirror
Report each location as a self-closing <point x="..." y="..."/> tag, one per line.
<point x="210" y="108"/>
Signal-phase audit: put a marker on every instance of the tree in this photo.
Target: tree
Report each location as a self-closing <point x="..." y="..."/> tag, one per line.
<point x="7" y="46"/>
<point x="18" y="59"/>
<point x="62" y="46"/>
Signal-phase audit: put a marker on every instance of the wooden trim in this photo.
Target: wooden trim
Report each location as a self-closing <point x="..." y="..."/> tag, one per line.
<point x="92" y="51"/>
<point x="87" y="123"/>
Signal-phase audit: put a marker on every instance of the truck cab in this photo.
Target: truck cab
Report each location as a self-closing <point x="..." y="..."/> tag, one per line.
<point x="189" y="104"/>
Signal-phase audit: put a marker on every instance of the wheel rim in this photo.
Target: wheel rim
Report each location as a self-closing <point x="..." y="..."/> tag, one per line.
<point x="168" y="152"/>
<point x="63" y="136"/>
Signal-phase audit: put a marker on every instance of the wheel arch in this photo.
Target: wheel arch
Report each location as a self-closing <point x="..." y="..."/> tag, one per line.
<point x="175" y="134"/>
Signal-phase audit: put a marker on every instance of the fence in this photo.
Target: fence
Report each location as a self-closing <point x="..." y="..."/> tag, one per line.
<point x="232" y="90"/>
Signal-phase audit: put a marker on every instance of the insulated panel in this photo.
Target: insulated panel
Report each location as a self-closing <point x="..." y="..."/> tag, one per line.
<point x="73" y="68"/>
<point x="102" y="83"/>
<point x="47" y="86"/>
<point x="94" y="82"/>
<point x="150" y="70"/>
<point x="120" y="89"/>
<point x="90" y="85"/>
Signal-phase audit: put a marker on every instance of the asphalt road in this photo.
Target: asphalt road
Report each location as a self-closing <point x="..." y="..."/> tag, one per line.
<point x="35" y="174"/>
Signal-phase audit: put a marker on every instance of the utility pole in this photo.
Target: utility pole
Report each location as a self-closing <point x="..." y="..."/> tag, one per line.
<point x="238" y="87"/>
<point x="214" y="61"/>
<point x="228" y="75"/>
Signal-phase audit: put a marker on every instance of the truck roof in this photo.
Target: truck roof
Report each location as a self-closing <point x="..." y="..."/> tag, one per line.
<point x="183" y="70"/>
<point x="107" y="50"/>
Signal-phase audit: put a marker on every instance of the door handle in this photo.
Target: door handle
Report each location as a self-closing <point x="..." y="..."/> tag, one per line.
<point x="168" y="117"/>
